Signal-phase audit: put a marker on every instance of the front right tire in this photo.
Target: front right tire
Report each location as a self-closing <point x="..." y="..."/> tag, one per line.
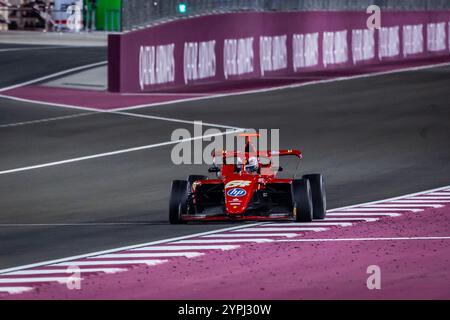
<point x="178" y="201"/>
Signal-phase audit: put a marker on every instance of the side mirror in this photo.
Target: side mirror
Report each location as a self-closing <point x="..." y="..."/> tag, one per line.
<point x="214" y="170"/>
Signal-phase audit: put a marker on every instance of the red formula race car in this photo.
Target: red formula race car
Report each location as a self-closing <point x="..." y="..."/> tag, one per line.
<point x="247" y="187"/>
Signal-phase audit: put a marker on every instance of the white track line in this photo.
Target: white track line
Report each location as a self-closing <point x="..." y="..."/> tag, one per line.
<point x="407" y="196"/>
<point x="151" y="262"/>
<point x="150" y="255"/>
<point x="35" y="279"/>
<point x="179" y="248"/>
<point x="282" y="229"/>
<point x="52" y="104"/>
<point x="198" y="241"/>
<point x="113" y="153"/>
<point x="35" y="48"/>
<point x="436" y="202"/>
<point x="137" y="115"/>
<point x="15" y="290"/>
<point x="446" y="193"/>
<point x="111" y="111"/>
<point x="166" y="94"/>
<point x="364" y="239"/>
<point x="402" y="206"/>
<point x="351" y="219"/>
<point x="381" y="209"/>
<point x="312" y="224"/>
<point x="250" y="235"/>
<point x="72" y="116"/>
<point x="87" y="224"/>
<point x="431" y="198"/>
<point x="62" y="271"/>
<point x="53" y="75"/>
<point x="340" y="214"/>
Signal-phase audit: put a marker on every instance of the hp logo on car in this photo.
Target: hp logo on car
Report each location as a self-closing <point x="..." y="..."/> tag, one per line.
<point x="236" y="192"/>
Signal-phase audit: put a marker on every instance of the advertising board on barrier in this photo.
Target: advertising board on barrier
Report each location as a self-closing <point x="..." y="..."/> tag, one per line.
<point x="245" y="46"/>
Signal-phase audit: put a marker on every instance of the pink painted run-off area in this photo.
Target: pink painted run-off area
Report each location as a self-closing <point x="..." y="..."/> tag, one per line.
<point x="410" y="269"/>
<point x="102" y="100"/>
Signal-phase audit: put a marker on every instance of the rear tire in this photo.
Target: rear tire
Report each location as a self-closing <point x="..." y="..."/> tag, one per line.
<point x="319" y="197"/>
<point x="178" y="201"/>
<point x="302" y="200"/>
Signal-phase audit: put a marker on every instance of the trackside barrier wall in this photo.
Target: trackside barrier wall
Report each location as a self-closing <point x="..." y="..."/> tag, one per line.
<point x="247" y="46"/>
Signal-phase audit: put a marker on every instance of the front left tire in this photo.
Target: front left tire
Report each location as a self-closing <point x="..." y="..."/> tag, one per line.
<point x="319" y="197"/>
<point x="302" y="200"/>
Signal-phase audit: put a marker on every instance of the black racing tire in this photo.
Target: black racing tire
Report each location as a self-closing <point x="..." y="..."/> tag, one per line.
<point x="178" y="201"/>
<point x="195" y="177"/>
<point x="319" y="196"/>
<point x="302" y="200"/>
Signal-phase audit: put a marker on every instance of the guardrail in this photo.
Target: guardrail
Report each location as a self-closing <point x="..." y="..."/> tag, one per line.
<point x="142" y="13"/>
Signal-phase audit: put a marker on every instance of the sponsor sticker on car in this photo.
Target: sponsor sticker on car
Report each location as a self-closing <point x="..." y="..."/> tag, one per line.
<point x="236" y="192"/>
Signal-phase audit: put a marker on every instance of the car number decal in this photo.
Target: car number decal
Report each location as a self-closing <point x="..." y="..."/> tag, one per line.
<point x="238" y="183"/>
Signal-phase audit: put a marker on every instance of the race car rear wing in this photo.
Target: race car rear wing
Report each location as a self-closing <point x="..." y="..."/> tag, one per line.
<point x="269" y="154"/>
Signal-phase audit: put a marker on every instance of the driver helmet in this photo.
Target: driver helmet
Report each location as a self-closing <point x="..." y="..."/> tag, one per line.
<point x="252" y="165"/>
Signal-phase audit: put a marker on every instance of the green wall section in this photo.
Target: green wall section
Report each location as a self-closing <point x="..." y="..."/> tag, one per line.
<point x="103" y="14"/>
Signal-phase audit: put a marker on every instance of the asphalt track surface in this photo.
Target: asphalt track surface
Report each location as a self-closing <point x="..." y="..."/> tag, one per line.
<point x="23" y="65"/>
<point x="373" y="138"/>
